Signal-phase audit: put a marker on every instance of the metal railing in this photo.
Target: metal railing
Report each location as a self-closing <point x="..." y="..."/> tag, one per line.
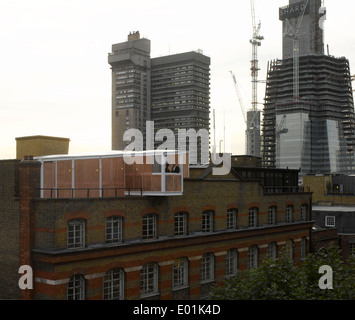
<point x="295" y="189"/>
<point x="72" y="193"/>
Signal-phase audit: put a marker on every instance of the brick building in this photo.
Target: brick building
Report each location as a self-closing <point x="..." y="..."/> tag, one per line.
<point x="171" y="245"/>
<point x="333" y="208"/>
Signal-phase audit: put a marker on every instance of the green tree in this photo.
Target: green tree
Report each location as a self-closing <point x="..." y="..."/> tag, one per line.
<point x="281" y="279"/>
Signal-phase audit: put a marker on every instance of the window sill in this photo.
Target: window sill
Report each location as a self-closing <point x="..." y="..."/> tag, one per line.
<point x="149" y="295"/>
<point x="181" y="288"/>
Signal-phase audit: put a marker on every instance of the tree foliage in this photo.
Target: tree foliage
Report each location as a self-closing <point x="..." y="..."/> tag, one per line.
<point x="281" y="279"/>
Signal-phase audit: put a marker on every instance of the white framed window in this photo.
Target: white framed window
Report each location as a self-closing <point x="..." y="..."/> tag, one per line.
<point x="272" y="250"/>
<point x="207" y="221"/>
<point x="114" y="229"/>
<point x="289" y="213"/>
<point x="271" y="215"/>
<point x="149" y="226"/>
<point x="303" y="248"/>
<point x="232" y="215"/>
<point x="114" y="284"/>
<point x="330" y="221"/>
<point x="252" y="257"/>
<point x="289" y="249"/>
<point x="253" y="217"/>
<point x="180" y="273"/>
<point x="180" y="224"/>
<point x="352" y="248"/>
<point x="149" y="279"/>
<point x="207" y="267"/>
<point x="76" y="233"/>
<point x="304" y="212"/>
<point x="76" y="288"/>
<point x="231" y="262"/>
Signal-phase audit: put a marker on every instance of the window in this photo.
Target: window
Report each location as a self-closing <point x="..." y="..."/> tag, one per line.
<point x="253" y="213"/>
<point x="272" y="250"/>
<point x="289" y="249"/>
<point x="271" y="216"/>
<point x="114" y="229"/>
<point x="180" y="273"/>
<point x="76" y="288"/>
<point x="232" y="215"/>
<point x="76" y="233"/>
<point x="149" y="226"/>
<point x="304" y="212"/>
<point x="114" y="284"/>
<point x="149" y="279"/>
<point x="303" y="248"/>
<point x="207" y="221"/>
<point x="352" y="248"/>
<point x="231" y="262"/>
<point x="252" y="257"/>
<point x="207" y="267"/>
<point x="330" y="221"/>
<point x="180" y="224"/>
<point x="289" y="213"/>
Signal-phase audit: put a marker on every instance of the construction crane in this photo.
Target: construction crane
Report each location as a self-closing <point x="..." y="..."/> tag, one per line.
<point x="296" y="51"/>
<point x="255" y="42"/>
<point x="239" y="97"/>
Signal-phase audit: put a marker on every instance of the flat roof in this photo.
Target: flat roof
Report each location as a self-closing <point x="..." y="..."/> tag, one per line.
<point x="105" y="154"/>
<point x="42" y="137"/>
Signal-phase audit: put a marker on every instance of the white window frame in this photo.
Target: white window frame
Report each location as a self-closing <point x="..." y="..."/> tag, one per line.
<point x="180" y="273"/>
<point x="208" y="221"/>
<point x="271" y="215"/>
<point x="76" y="288"/>
<point x="149" y="279"/>
<point x="149" y="227"/>
<point x="112" y="223"/>
<point x="76" y="233"/>
<point x="289" y="214"/>
<point x="253" y="217"/>
<point x="232" y="215"/>
<point x="330" y="221"/>
<point x="252" y="257"/>
<point x="231" y="262"/>
<point x="303" y="248"/>
<point x="113" y="284"/>
<point x="290" y="249"/>
<point x="180" y="224"/>
<point x="272" y="250"/>
<point x="207" y="267"/>
<point x="304" y="212"/>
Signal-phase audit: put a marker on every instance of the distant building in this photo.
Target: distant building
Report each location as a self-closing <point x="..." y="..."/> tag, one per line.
<point x="173" y="91"/>
<point x="41" y="146"/>
<point x="309" y="120"/>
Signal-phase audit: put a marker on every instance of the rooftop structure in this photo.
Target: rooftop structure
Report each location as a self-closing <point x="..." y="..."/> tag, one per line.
<point x="109" y="175"/>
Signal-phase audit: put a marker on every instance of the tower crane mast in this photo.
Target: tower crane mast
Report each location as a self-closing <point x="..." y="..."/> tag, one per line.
<point x="255" y="42"/>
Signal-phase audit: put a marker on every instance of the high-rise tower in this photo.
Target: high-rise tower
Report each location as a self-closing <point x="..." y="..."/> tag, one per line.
<point x="309" y="110"/>
<point x="173" y="91"/>
<point x="130" y="64"/>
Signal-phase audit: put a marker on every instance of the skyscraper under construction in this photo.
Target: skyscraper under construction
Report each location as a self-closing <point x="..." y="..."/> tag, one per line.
<point x="309" y="118"/>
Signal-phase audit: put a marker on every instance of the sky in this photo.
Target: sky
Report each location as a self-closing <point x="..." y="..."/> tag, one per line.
<point x="55" y="79"/>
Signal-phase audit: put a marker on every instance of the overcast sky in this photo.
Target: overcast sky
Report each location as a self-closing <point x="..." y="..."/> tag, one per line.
<point x="55" y="79"/>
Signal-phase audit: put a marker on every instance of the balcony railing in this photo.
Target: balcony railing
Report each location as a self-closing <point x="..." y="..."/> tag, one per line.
<point x="71" y="193"/>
